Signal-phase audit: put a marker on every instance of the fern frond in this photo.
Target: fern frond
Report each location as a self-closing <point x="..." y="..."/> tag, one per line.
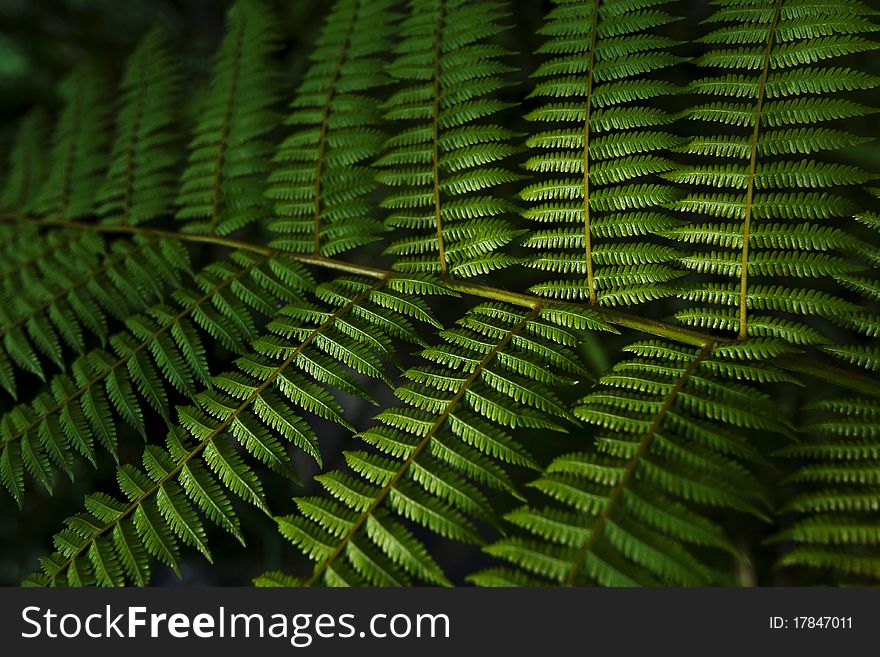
<point x="69" y="286"/>
<point x="495" y="372"/>
<point x="323" y="184"/>
<point x="141" y="179"/>
<point x="604" y="142"/>
<point x="229" y="152"/>
<point x="78" y="156"/>
<point x="866" y="283"/>
<point x="632" y="511"/>
<point x="160" y="350"/>
<point x="835" y="524"/>
<point x="290" y="374"/>
<point x="27" y="162"/>
<point x="777" y="85"/>
<point x="445" y="160"/>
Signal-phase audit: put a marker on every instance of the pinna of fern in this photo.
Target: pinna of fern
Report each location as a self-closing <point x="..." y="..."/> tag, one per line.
<point x="69" y="287"/>
<point x="160" y="350"/>
<point x="763" y="215"/>
<point x="261" y="406"/>
<point x="834" y="526"/>
<point x="633" y="510"/>
<point x="427" y="462"/>
<point x="444" y="161"/>
<point x="78" y="155"/>
<point x="27" y="162"/>
<point x="70" y="281"/>
<point x="865" y="322"/>
<point x="322" y="182"/>
<point x="603" y="143"/>
<point x="229" y="154"/>
<point x="141" y="179"/>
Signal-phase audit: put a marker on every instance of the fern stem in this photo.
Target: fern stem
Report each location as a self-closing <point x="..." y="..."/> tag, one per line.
<point x="644" y="443"/>
<point x="588" y="246"/>
<point x="806" y="364"/>
<point x="750" y="183"/>
<point x="66" y="180"/>
<point x="80" y="282"/>
<point x="197" y="449"/>
<point x="420" y="447"/>
<point x="436" y="138"/>
<point x="325" y="116"/>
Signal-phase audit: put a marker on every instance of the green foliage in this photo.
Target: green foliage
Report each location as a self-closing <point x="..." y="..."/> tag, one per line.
<point x="603" y="144"/>
<point x="78" y="154"/>
<point x="752" y="195"/>
<point x="229" y="154"/>
<point x="445" y="160"/>
<point x="836" y="524"/>
<point x="260" y="406"/>
<point x="160" y="350"/>
<point x="632" y="511"/>
<point x="29" y="158"/>
<point x="493" y="373"/>
<point x="64" y="285"/>
<point x="216" y="318"/>
<point x="322" y="188"/>
<point x="140" y="181"/>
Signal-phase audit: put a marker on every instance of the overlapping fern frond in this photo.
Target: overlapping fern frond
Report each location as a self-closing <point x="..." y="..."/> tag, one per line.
<point x="494" y="373"/>
<point x="66" y="284"/>
<point x="671" y="445"/>
<point x="262" y="406"/>
<point x="600" y="147"/>
<point x="224" y="299"/>
<point x="445" y="159"/>
<point x="160" y="350"/>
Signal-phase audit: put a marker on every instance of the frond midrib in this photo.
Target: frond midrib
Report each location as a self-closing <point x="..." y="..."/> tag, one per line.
<point x="220" y="428"/>
<point x="839" y="376"/>
<point x="435" y="138"/>
<point x="217" y="174"/>
<point x="325" y="117"/>
<point x="420" y="446"/>
<point x="633" y="462"/>
<point x="588" y="242"/>
<point x="750" y="181"/>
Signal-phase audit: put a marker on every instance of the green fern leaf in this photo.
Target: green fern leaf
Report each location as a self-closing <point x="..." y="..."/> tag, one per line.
<point x="632" y="510"/>
<point x="835" y="526"/>
<point x="429" y="456"/>
<point x="445" y="161"/>
<point x="604" y="66"/>
<point x="140" y="181"/>
<point x="782" y="90"/>
<point x="217" y="195"/>
<point x="322" y="187"/>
